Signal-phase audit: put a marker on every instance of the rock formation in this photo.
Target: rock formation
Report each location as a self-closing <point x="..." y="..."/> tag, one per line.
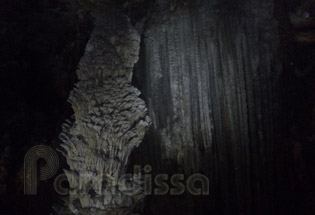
<point x="109" y="121"/>
<point x="211" y="73"/>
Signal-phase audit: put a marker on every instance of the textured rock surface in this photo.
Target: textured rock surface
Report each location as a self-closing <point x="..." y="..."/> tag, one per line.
<point x="109" y="120"/>
<point x="211" y="72"/>
<point x="42" y="43"/>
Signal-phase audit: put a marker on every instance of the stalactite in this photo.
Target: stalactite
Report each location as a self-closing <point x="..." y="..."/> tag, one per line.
<point x="109" y="120"/>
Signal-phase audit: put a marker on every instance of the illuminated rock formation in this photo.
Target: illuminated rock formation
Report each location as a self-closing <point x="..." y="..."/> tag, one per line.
<point x="109" y="121"/>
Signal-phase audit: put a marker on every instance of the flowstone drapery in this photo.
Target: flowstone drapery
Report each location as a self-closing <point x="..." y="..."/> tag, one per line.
<point x="109" y="121"/>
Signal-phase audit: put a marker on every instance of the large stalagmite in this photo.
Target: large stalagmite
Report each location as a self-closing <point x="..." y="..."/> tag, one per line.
<point x="109" y="121"/>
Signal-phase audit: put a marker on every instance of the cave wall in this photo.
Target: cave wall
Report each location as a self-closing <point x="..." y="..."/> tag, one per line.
<point x="209" y="73"/>
<point x="43" y="40"/>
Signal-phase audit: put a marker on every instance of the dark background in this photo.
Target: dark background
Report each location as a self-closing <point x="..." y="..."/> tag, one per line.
<point x="41" y="44"/>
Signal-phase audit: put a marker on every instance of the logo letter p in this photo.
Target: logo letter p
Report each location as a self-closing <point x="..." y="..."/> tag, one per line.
<point x="30" y="167"/>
